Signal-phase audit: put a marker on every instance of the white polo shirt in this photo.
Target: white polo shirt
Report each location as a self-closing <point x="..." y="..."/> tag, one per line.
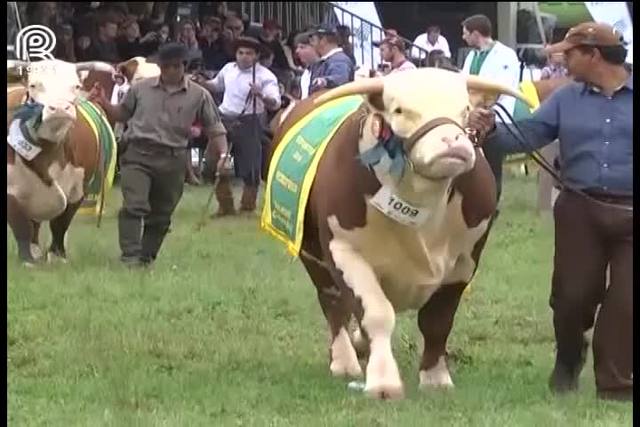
<point x="235" y="84"/>
<point x="423" y="42"/>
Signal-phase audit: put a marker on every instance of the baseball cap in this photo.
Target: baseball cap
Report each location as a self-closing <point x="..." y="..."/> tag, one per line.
<point x="588" y="34"/>
<point x="324" y="29"/>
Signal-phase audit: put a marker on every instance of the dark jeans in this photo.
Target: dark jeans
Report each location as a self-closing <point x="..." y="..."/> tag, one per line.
<point x="589" y="237"/>
<point x="495" y="157"/>
<point x="152" y="181"/>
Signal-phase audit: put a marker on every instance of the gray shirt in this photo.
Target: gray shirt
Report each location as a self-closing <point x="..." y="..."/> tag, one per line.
<point x="595" y="133"/>
<point x="156" y="113"/>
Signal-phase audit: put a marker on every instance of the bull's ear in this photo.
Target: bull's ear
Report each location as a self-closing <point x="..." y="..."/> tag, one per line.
<point x="479" y="98"/>
<point x="375" y="100"/>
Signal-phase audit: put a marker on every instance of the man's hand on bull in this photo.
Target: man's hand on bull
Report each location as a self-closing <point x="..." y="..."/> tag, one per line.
<point x="320" y="82"/>
<point x="483" y="121"/>
<point x="98" y="95"/>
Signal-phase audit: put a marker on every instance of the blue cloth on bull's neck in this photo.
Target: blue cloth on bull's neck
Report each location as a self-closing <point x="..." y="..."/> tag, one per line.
<point x="30" y="116"/>
<point x="28" y="111"/>
<point x="392" y="148"/>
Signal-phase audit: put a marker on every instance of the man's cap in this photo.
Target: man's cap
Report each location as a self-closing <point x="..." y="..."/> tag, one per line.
<point x="172" y="51"/>
<point x="247" y="42"/>
<point x="588" y="34"/>
<point x="325" y="29"/>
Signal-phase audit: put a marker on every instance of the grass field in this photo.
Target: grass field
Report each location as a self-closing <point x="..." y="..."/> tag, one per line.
<point x="227" y="331"/>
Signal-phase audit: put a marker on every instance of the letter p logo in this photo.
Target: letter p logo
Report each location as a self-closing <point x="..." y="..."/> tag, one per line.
<point x="35" y="42"/>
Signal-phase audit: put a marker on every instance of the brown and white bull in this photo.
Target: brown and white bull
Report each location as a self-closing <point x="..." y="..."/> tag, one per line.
<point x="366" y="264"/>
<point x="49" y="186"/>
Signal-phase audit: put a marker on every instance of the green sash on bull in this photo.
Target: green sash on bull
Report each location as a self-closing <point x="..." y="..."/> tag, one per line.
<point x="102" y="179"/>
<point x="294" y="166"/>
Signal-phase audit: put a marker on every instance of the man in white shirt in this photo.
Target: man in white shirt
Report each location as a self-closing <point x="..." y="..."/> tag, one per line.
<point x="308" y="56"/>
<point x="431" y="40"/>
<point x="392" y="51"/>
<point x="246" y="85"/>
<point x="494" y="61"/>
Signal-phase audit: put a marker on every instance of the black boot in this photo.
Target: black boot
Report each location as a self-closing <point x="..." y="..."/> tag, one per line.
<point x="154" y="234"/>
<point x="130" y="233"/>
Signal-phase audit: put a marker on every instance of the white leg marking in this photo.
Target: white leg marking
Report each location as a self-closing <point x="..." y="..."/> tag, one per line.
<point x="383" y="379"/>
<point x="344" y="361"/>
<point x="36" y="252"/>
<point x="438" y="376"/>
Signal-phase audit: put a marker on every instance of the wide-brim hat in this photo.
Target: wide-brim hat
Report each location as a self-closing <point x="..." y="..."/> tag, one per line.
<point x="247" y="42"/>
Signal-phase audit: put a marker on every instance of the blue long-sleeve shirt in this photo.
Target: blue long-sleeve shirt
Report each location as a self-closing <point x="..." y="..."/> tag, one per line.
<point x="337" y="69"/>
<point x="595" y="133"/>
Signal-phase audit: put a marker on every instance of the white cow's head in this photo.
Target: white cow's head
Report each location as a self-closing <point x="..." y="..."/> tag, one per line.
<point x="427" y="109"/>
<point x="55" y="85"/>
<point x="135" y="69"/>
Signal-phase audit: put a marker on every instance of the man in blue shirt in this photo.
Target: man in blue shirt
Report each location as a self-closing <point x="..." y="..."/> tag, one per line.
<point x="334" y="68"/>
<point x="592" y="117"/>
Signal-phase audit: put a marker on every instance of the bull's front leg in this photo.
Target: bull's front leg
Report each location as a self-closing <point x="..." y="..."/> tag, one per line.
<point x="435" y="321"/>
<point x="377" y="321"/>
<point x="22" y="228"/>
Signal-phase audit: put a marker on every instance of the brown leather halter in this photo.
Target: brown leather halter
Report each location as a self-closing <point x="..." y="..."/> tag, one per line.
<point x="410" y="142"/>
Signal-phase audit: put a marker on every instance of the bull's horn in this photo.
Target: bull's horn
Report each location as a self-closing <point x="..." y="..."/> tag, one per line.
<point x="359" y="87"/>
<point x="15" y="63"/>
<point x="95" y="66"/>
<point x="483" y="85"/>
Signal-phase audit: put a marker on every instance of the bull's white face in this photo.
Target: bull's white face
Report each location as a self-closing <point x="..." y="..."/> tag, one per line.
<point x="414" y="97"/>
<point x="55" y="85"/>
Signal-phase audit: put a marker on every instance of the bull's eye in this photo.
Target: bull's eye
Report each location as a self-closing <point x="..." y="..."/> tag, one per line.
<point x="398" y="110"/>
<point x="77" y="87"/>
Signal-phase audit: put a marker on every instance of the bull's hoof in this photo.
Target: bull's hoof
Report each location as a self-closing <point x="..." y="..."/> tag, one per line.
<point x="437" y="377"/>
<point x="385" y="391"/>
<point x="383" y="377"/>
<point x="56" y="257"/>
<point x="339" y="370"/>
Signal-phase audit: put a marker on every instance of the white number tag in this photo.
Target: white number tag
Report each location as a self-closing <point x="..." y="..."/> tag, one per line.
<point x="23" y="147"/>
<point x="397" y="209"/>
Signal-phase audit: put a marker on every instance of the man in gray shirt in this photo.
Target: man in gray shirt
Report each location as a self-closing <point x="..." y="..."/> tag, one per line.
<point x="593" y="119"/>
<point x="160" y="112"/>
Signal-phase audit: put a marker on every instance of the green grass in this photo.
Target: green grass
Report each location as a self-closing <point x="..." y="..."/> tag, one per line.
<point x="227" y="331"/>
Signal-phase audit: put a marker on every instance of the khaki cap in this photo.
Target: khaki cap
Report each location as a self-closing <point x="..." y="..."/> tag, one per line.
<point x="588" y="34"/>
